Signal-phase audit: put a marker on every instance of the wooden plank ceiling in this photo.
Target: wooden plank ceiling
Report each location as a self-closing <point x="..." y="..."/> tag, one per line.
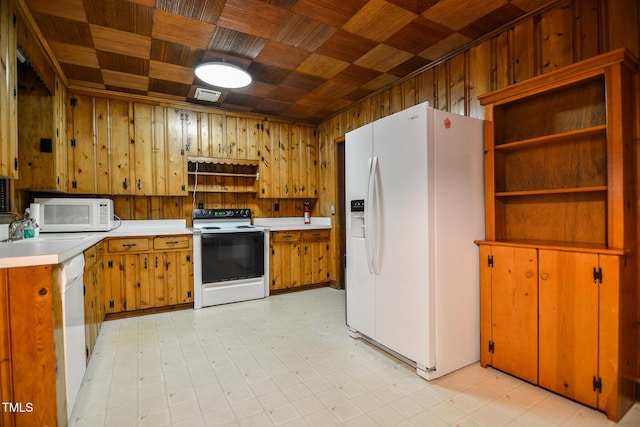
<point x="308" y="58"/>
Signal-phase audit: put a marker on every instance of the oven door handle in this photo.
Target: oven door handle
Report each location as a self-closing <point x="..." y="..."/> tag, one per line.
<point x="259" y="234"/>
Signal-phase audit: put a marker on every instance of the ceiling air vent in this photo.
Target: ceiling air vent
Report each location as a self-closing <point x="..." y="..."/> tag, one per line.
<point x="207" y="94"/>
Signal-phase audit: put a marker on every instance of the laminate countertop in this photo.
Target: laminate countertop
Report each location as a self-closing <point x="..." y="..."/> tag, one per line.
<point x="293" y="223"/>
<point x="56" y="248"/>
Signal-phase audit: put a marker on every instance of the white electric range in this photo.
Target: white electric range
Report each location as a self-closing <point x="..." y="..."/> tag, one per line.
<point x="230" y="257"/>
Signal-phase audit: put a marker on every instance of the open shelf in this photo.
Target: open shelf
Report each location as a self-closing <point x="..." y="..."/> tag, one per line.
<point x="209" y="175"/>
<point x="550" y="191"/>
<point x="591" y="132"/>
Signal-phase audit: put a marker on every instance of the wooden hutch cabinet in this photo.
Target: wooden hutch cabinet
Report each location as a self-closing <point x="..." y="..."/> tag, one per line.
<point x="558" y="266"/>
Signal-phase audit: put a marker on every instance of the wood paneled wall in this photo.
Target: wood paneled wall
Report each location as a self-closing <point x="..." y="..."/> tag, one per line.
<point x="155" y="207"/>
<point x="567" y="32"/>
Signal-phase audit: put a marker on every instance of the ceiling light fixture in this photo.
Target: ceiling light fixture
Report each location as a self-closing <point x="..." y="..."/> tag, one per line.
<point x="222" y="74"/>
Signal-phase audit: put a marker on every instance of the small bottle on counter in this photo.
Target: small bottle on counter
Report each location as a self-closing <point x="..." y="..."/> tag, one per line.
<point x="307" y="213"/>
<point x="28" y="230"/>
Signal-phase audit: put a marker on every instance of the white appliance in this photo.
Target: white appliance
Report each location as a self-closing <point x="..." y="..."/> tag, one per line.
<point x="230" y="257"/>
<point x="415" y="204"/>
<point x="75" y="214"/>
<point x="75" y="361"/>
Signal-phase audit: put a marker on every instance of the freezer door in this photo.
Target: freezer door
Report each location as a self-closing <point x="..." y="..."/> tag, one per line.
<point x="403" y="297"/>
<point x="359" y="282"/>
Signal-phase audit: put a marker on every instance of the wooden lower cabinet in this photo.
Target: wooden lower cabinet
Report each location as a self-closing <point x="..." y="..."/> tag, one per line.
<point x="31" y="343"/>
<point x="148" y="272"/>
<point x="315" y="256"/>
<point x="299" y="258"/>
<point x="94" y="308"/>
<point x="285" y="267"/>
<point x="509" y="310"/>
<point x="557" y="318"/>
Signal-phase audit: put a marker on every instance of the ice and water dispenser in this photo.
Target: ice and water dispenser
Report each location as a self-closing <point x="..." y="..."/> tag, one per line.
<point x="357" y="218"/>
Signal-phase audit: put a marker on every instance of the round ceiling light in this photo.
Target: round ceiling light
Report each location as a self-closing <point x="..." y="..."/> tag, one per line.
<point x="222" y="74"/>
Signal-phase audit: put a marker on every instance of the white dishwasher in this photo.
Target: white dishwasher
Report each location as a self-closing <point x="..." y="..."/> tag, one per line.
<point x="75" y="361"/>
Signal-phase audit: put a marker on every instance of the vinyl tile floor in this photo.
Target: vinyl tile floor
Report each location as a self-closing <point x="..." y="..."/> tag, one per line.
<point x="288" y="360"/>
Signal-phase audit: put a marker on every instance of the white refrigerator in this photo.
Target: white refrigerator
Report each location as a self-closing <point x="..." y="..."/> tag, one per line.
<point x="415" y="204"/>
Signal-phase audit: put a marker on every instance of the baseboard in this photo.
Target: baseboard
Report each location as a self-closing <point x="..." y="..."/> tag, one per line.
<point x="154" y="310"/>
<point x="298" y="288"/>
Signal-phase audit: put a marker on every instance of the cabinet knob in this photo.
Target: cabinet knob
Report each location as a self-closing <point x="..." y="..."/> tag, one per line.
<point x="528" y="274"/>
<point x="544" y="276"/>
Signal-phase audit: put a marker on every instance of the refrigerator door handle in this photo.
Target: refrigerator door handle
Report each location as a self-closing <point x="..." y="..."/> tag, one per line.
<point x="371" y="241"/>
<point x="368" y="214"/>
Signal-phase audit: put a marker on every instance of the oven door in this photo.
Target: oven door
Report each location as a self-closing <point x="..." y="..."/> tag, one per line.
<point x="232" y="256"/>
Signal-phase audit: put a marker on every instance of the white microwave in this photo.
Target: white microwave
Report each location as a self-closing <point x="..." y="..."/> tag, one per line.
<point x="59" y="215"/>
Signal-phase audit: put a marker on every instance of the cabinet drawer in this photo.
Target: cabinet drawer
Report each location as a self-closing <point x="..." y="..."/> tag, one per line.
<point x="172" y="242"/>
<point x="285" y="236"/>
<point x="140" y="244"/>
<point x="315" y="235"/>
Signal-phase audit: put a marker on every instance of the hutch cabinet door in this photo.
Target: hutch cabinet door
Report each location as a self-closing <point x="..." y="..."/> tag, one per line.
<point x="569" y="324"/>
<point x="509" y="312"/>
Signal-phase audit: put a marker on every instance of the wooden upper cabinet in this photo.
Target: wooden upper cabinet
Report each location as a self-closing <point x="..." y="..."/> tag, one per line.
<point x="8" y="93"/>
<point x="82" y="145"/>
<point x="226" y="138"/>
<point x="182" y="137"/>
<point x="556" y="168"/>
<point x="288" y="161"/>
<point x="116" y="150"/>
<point x="43" y="143"/>
<point x="61" y="177"/>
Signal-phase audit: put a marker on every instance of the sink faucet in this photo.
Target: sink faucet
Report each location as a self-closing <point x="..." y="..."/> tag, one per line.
<point x="16" y="229"/>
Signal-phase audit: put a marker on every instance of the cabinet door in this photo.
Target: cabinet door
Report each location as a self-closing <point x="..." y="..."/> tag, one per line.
<point x="283" y="140"/>
<point x="286" y="265"/>
<point x="82" y="149"/>
<point x="307" y="177"/>
<point x="296" y="168"/>
<point x="60" y="149"/>
<point x="113" y="283"/>
<point x="119" y="167"/>
<point x="509" y="294"/>
<point x="170" y="264"/>
<point x="145" y="159"/>
<point x="145" y="294"/>
<point x="235" y="140"/>
<point x="267" y="163"/>
<point x="36" y="121"/>
<point x="254" y="139"/>
<point x="181" y="132"/>
<point x="315" y="265"/>
<point x="315" y="256"/>
<point x="130" y="281"/>
<point x="8" y="93"/>
<point x="185" y="276"/>
<point x="158" y="277"/>
<point x="212" y="136"/>
<point x="569" y="324"/>
<point x="172" y="277"/>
